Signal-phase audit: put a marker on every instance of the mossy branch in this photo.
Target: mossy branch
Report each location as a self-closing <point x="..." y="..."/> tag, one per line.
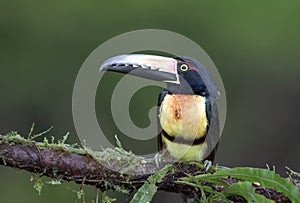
<point x="117" y="169"/>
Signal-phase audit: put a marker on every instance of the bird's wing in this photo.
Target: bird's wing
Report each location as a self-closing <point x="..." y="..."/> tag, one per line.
<point x="213" y="134"/>
<point x="161" y="97"/>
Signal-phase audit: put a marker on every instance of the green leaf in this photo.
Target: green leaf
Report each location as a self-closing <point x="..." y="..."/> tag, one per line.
<point x="144" y="194"/>
<point x="149" y="188"/>
<point x="265" y="177"/>
<point x="246" y="190"/>
<point x="210" y="178"/>
<point x="213" y="194"/>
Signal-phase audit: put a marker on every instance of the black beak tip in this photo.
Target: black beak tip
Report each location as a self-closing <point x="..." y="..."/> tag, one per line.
<point x="107" y="64"/>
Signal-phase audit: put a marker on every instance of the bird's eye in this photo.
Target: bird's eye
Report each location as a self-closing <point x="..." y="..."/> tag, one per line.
<point x="184" y="67"/>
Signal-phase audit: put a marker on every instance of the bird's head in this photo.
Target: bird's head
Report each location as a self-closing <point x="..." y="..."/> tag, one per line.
<point x="183" y="75"/>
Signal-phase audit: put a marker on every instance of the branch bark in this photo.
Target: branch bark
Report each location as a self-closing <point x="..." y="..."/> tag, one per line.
<point x="104" y="170"/>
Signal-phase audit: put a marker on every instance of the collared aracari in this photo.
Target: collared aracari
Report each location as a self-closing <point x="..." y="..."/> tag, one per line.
<point x="187" y="115"/>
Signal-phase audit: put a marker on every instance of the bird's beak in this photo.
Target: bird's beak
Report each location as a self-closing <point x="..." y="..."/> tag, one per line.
<point x="152" y="67"/>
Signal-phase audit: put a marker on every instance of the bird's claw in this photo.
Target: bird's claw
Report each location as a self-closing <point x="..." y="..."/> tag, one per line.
<point x="207" y="164"/>
<point x="157" y="160"/>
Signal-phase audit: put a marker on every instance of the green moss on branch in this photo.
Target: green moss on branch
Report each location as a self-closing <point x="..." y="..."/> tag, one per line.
<point x="120" y="170"/>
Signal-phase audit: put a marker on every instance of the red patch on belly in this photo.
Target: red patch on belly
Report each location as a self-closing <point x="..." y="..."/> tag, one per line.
<point x="179" y="103"/>
<point x="177" y="114"/>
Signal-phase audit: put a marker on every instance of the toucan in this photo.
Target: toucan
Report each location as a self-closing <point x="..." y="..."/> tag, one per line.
<point x="187" y="112"/>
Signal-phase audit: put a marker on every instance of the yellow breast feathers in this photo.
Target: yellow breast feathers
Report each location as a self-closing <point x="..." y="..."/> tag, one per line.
<point x="184" y="116"/>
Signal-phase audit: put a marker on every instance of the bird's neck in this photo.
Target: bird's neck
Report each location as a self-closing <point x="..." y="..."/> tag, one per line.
<point x="180" y="89"/>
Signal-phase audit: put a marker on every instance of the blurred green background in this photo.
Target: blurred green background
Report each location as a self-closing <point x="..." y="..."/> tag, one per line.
<point x="254" y="44"/>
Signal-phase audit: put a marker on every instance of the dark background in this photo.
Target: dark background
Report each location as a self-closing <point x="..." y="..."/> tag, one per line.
<point x="255" y="46"/>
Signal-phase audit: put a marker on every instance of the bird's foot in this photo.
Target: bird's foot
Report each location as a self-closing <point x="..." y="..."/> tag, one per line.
<point x="157" y="160"/>
<point x="207" y="164"/>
